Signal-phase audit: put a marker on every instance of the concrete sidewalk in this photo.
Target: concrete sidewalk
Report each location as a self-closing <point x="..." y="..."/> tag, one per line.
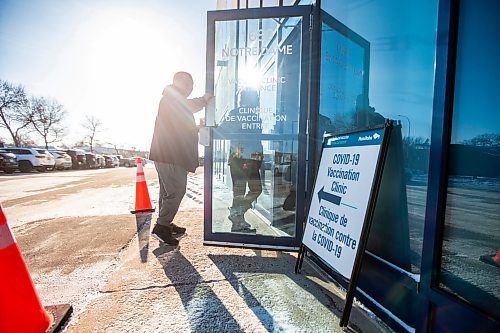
<point x="195" y="288"/>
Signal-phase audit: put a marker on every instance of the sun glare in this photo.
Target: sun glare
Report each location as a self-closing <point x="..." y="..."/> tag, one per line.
<point x="250" y="77"/>
<point x="124" y="49"/>
<point x="111" y="59"/>
<point x="126" y="58"/>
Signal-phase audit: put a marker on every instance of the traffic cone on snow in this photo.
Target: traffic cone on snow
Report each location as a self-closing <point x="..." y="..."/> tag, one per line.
<point x="20" y="306"/>
<point x="142" y="201"/>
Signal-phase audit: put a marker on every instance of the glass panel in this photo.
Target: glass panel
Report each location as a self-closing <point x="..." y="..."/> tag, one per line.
<point x="262" y="192"/>
<point x="255" y="141"/>
<point x="396" y="39"/>
<point x="471" y="246"/>
<point x="343" y="78"/>
<point x="257" y="3"/>
<point x="265" y="3"/>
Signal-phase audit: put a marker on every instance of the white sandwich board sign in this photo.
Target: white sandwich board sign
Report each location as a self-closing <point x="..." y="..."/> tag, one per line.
<point x="343" y="200"/>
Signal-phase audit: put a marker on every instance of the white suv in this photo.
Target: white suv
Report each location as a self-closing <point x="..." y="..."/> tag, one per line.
<point x="32" y="158"/>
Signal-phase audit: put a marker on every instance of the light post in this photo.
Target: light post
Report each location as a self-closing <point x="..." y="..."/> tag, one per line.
<point x="409" y="126"/>
<point x="408" y="140"/>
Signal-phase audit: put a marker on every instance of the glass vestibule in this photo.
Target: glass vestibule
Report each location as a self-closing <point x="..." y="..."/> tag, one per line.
<point x="377" y="62"/>
<point x="258" y="79"/>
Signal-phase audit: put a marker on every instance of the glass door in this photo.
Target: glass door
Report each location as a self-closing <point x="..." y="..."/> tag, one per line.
<point x="257" y="67"/>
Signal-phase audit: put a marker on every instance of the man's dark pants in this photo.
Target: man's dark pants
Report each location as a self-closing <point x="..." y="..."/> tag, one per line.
<point x="244" y="172"/>
<point x="173" y="181"/>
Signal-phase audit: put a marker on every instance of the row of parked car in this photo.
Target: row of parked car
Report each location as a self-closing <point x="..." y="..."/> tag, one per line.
<point x="27" y="159"/>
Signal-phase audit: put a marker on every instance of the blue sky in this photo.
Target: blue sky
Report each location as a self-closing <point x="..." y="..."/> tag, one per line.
<point x="109" y="58"/>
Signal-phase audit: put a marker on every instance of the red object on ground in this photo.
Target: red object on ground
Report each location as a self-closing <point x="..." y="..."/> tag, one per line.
<point x="20" y="307"/>
<point x="142" y="200"/>
<point x="496" y="258"/>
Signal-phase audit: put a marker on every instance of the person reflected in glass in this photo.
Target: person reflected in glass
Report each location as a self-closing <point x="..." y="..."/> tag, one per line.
<point x="364" y="116"/>
<point x="289" y="175"/>
<point x="245" y="157"/>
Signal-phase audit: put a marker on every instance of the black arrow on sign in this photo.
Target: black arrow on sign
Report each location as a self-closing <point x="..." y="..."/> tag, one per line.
<point x="334" y="199"/>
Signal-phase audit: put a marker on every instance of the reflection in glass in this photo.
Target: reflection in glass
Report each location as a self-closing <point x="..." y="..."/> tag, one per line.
<point x="245" y="158"/>
<point x="255" y="141"/>
<point x="251" y="196"/>
<point x="471" y="247"/>
<point x="383" y="68"/>
<point x="344" y="78"/>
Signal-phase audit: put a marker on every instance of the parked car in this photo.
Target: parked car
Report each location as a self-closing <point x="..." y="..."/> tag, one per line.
<point x="100" y="161"/>
<point x="77" y="158"/>
<point x="128" y="162"/>
<point x="111" y="161"/>
<point x="8" y="162"/>
<point x="48" y="160"/>
<point x="31" y="158"/>
<point x="74" y="159"/>
<point x="63" y="160"/>
<point x="279" y="168"/>
<point x="82" y="158"/>
<point x="91" y="161"/>
<point x="116" y="161"/>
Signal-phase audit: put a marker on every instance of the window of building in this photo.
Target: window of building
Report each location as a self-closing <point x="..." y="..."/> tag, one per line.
<point x="471" y="247"/>
<point x="387" y="51"/>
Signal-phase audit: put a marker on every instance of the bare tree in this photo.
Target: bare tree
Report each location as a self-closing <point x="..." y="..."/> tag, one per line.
<point x="46" y="118"/>
<point x="26" y="140"/>
<point x="484" y="140"/>
<point x="115" y="147"/>
<point x="13" y="115"/>
<point x="91" y="124"/>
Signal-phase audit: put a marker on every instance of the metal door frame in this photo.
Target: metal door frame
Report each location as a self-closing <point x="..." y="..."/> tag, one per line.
<point x="261" y="241"/>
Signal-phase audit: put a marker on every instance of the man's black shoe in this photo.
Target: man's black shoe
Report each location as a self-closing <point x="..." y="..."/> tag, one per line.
<point x="164" y="234"/>
<point x="240" y="225"/>
<point x="176" y="230"/>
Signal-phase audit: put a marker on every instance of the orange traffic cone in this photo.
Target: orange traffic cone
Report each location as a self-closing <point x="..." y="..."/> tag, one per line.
<point x="142" y="201"/>
<point x="20" y="306"/>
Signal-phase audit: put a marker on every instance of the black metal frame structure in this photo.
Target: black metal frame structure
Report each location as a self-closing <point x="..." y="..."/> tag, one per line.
<point x="260" y="241"/>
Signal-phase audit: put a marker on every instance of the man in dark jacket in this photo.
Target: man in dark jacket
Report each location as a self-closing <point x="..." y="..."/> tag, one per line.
<point x="174" y="149"/>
